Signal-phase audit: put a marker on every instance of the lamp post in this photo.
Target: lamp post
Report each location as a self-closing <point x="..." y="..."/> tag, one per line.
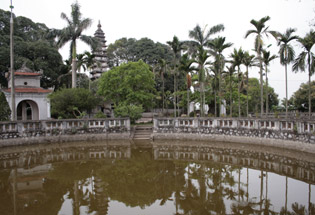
<point x="12" y="67"/>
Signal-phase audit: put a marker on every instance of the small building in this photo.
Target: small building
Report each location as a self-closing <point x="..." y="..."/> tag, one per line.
<point x="30" y="99"/>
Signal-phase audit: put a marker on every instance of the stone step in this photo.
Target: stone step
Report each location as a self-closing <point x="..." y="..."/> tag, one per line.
<point x="143" y="128"/>
<point x="142" y="132"/>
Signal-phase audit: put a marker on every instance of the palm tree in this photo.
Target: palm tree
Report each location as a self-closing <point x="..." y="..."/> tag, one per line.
<point x="231" y="71"/>
<point x="260" y="30"/>
<point x="217" y="46"/>
<point x="177" y="47"/>
<point x="162" y="67"/>
<point x="200" y="39"/>
<point x="73" y="32"/>
<point x="248" y="61"/>
<point x="299" y="63"/>
<point x="238" y="56"/>
<point x="267" y="58"/>
<point x="287" y="56"/>
<point x="186" y="67"/>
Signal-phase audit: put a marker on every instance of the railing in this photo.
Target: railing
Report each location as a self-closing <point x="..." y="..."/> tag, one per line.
<point x="20" y="128"/>
<point x="297" y="126"/>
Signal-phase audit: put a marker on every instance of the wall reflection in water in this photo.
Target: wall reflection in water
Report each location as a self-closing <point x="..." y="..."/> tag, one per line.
<point x="178" y="178"/>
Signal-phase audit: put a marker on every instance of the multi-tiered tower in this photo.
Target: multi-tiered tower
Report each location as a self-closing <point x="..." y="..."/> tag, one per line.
<point x="100" y="64"/>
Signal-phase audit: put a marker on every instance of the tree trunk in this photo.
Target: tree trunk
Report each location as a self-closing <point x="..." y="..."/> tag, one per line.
<point x="231" y="102"/>
<point x="220" y="93"/>
<point x="188" y="101"/>
<point x="267" y="99"/>
<point x="239" y="96"/>
<point x="163" y="96"/>
<point x="261" y="85"/>
<point x="202" y="92"/>
<point x="74" y="65"/>
<point x="13" y="109"/>
<point x="175" y="93"/>
<point x="286" y="91"/>
<point x="309" y="87"/>
<point x="246" y="91"/>
<point x="215" y="103"/>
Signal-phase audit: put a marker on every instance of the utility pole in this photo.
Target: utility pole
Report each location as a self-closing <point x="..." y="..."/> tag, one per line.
<point x="12" y="67"/>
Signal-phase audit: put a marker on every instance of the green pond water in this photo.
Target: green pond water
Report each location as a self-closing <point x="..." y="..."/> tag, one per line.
<point x="164" y="177"/>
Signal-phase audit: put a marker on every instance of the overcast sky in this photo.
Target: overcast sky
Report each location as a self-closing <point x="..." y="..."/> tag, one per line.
<point x="161" y="20"/>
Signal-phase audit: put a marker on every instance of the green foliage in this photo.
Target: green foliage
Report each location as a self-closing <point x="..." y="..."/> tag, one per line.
<point x="72" y="103"/>
<point x="300" y="98"/>
<point x="100" y="115"/>
<point x="31" y="47"/>
<point x="5" y="111"/>
<point x="129" y="84"/>
<point x="125" y="50"/>
<point x="132" y="111"/>
<point x="253" y="96"/>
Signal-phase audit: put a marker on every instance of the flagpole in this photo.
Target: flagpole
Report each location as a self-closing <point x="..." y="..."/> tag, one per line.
<point x="12" y="67"/>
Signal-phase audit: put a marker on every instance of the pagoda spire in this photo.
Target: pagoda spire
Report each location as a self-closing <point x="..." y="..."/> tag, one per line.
<point x="100" y="64"/>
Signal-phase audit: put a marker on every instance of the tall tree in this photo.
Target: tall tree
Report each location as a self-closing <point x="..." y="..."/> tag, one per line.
<point x="186" y="67"/>
<point x="76" y="25"/>
<point x="260" y="30"/>
<point x="238" y="56"/>
<point x="231" y="71"/>
<point x="177" y="47"/>
<point x="248" y="61"/>
<point x="267" y="58"/>
<point x="307" y="43"/>
<point x="121" y="85"/>
<point x="217" y="46"/>
<point x="287" y="56"/>
<point x="200" y="39"/>
<point x="161" y="69"/>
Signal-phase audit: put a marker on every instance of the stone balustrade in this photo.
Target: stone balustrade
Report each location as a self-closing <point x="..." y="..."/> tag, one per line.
<point x="52" y="128"/>
<point x="303" y="130"/>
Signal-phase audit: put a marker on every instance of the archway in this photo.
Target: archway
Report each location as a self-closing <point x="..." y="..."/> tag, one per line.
<point x="27" y="110"/>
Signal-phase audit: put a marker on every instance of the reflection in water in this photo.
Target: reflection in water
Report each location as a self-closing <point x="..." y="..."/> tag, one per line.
<point x="178" y="178"/>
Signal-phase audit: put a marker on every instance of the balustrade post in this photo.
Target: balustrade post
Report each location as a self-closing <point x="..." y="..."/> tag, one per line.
<point x="176" y="123"/>
<point x="127" y="124"/>
<point x="196" y="123"/>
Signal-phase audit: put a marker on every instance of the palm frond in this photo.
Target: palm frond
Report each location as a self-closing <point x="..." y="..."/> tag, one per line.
<point x="65" y="17"/>
<point x="89" y="40"/>
<point x="64" y="35"/>
<point x="249" y="32"/>
<point x="299" y="62"/>
<point x="75" y="13"/>
<point x="215" y="29"/>
<point x="84" y="24"/>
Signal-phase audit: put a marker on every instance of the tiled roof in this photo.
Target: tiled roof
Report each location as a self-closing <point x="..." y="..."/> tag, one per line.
<point x="28" y="90"/>
<point x="27" y="73"/>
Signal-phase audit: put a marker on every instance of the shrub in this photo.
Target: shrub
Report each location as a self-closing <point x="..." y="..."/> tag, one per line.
<point x="132" y="111"/>
<point x="5" y="111"/>
<point x="100" y="115"/>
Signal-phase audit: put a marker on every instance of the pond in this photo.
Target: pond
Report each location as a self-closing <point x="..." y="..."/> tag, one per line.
<point x="176" y="177"/>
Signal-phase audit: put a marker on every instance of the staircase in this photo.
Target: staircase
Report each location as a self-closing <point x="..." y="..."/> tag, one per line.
<point x="142" y="132"/>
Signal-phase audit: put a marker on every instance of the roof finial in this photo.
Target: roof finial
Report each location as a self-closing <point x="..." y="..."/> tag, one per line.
<point x="99" y="24"/>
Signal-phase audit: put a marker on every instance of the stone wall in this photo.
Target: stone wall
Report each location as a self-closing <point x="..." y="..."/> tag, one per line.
<point x="288" y="133"/>
<point x="20" y="132"/>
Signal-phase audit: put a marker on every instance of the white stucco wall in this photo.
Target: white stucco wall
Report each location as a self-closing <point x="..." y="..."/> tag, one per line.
<point x="40" y="99"/>
<point x="33" y="81"/>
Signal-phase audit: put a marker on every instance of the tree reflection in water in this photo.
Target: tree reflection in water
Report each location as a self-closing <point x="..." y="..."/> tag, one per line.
<point x="184" y="179"/>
